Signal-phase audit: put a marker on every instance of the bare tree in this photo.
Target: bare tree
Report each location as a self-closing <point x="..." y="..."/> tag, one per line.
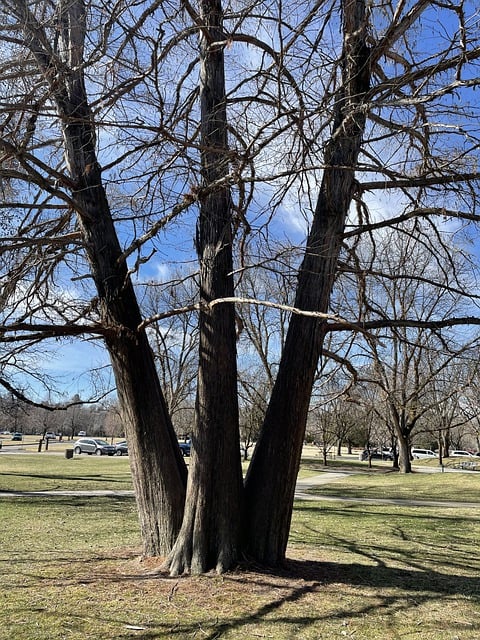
<point x="277" y="455"/>
<point x="254" y="391"/>
<point x="109" y="143"/>
<point x="210" y="534"/>
<point x="410" y="362"/>
<point x="52" y="42"/>
<point x="174" y="339"/>
<point x="262" y="329"/>
<point x="445" y="417"/>
<point x="470" y="409"/>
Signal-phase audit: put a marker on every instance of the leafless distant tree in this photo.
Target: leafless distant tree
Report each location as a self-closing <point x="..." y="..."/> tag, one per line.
<point x="410" y="362"/>
<point x="174" y="340"/>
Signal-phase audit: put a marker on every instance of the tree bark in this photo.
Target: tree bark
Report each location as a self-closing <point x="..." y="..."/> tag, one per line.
<point x="209" y="538"/>
<point x="404" y="455"/>
<point x="158" y="469"/>
<point x="271" y="478"/>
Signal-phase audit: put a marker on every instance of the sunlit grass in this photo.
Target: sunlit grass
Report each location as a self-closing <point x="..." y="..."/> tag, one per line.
<point x="71" y="567"/>
<point x="47" y="472"/>
<point x="462" y="487"/>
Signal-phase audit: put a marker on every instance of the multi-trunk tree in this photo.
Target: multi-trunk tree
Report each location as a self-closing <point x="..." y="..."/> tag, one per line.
<point x="127" y="132"/>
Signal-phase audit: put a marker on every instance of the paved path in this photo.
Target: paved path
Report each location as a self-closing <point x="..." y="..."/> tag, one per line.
<point x="300" y="494"/>
<point x="330" y="476"/>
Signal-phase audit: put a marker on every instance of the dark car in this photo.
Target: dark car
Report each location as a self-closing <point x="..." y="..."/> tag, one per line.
<point x="17" y="436"/>
<point x="93" y="446"/>
<point x="185" y="448"/>
<point x="121" y="448"/>
<point x="377" y="454"/>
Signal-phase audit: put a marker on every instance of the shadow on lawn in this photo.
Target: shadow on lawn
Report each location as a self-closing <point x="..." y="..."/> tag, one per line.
<point x="304" y="596"/>
<point x="284" y="596"/>
<point x="299" y="580"/>
<point x="100" y="477"/>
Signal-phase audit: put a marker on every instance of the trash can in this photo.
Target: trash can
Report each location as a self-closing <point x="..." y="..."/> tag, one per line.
<point x="68" y="454"/>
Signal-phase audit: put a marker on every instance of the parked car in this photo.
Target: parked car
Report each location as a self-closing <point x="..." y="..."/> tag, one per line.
<point x="457" y="453"/>
<point x="82" y="434"/>
<point x="50" y="436"/>
<point x="376" y="454"/>
<point x="93" y="446"/>
<point x="420" y="454"/>
<point x="121" y="448"/>
<point x="185" y="448"/>
<point x="17" y="436"/>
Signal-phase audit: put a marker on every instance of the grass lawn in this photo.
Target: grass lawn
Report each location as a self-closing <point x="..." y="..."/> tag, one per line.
<point x="70" y="567"/>
<point x="52" y="471"/>
<point x="463" y="487"/>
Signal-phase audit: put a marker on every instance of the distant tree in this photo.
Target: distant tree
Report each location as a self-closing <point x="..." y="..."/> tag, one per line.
<point x="253" y="393"/>
<point x="322" y="426"/>
<point x="78" y="417"/>
<point x="409" y="362"/>
<point x="174" y="339"/>
<point x="13" y="412"/>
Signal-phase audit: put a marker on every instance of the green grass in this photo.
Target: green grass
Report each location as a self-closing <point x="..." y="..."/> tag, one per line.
<point x="462" y="487"/>
<point x="50" y="472"/>
<point x="311" y="466"/>
<point x="70" y="567"/>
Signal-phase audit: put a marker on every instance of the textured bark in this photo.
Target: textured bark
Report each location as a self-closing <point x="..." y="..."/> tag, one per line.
<point x="270" y="483"/>
<point x="209" y="537"/>
<point x="404" y="455"/>
<point x="159" y="473"/>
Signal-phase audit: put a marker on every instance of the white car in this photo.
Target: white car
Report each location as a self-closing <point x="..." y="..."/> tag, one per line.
<point x="461" y="454"/>
<point x="422" y="454"/>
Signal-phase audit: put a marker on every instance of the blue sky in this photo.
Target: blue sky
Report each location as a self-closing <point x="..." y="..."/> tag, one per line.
<point x="176" y="246"/>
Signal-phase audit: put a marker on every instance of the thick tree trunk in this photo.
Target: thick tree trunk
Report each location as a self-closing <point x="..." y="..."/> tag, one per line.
<point x="270" y="482"/>
<point x="209" y="538"/>
<point x="445" y="438"/>
<point x="404" y="455"/>
<point x="158" y="469"/>
<point x="159" y="472"/>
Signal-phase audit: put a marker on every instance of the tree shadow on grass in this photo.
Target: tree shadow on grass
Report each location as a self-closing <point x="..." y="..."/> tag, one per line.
<point x="284" y="598"/>
<point x="103" y="478"/>
<point x="304" y="597"/>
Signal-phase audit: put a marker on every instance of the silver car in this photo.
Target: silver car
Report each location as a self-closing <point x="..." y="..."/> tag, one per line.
<point x="93" y="446"/>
